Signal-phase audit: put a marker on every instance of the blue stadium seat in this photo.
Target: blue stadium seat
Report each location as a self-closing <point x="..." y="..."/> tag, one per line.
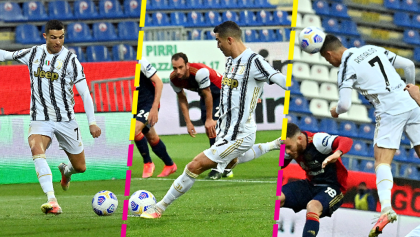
<point x="367" y="166"/>
<point x="209" y="35"/>
<point x="194" y="4"/>
<point x="409" y="5"/>
<point x="78" y="32"/>
<point x="28" y="34"/>
<point x="409" y="171"/>
<point x="247" y="18"/>
<point x="404" y="139"/>
<point x="348" y="129"/>
<point x="263" y="4"/>
<point x="230" y="16"/>
<point x="339" y="10"/>
<point x="148" y="21"/>
<point x="402" y="19"/>
<point x="212" y="18"/>
<point x="97" y="53"/>
<point x="411" y="37"/>
<point x="60" y="10"/>
<point x="104" y="31"/>
<point x="159" y="4"/>
<point x="291" y="118"/>
<point x="417" y="54"/>
<point x="357" y="42"/>
<point x="244" y="4"/>
<point x="415" y="22"/>
<point x="343" y="40"/>
<point x="280" y="33"/>
<point x="321" y="7"/>
<point x="349" y="27"/>
<point x="123" y="52"/>
<point x="11" y="12"/>
<point x="354" y="163"/>
<point x="228" y="4"/>
<point x="34" y="11"/>
<point x="177" y="4"/>
<point x="211" y="4"/>
<point x="392" y="4"/>
<point x="128" y="30"/>
<point x="85" y="9"/>
<point x="160" y="19"/>
<point x="371" y="114"/>
<point x="194" y="35"/>
<point x="329" y="126"/>
<point x="267" y="35"/>
<point x="366" y="131"/>
<point x="331" y="25"/>
<point x="132" y="8"/>
<point x="250" y="36"/>
<point x="359" y="148"/>
<point x="195" y="19"/>
<point x="401" y="154"/>
<point x="299" y="105"/>
<point x="79" y="53"/>
<point x="110" y="9"/>
<point x="363" y="99"/>
<point x="264" y="18"/>
<point x="280" y="18"/>
<point x="308" y="123"/>
<point x="178" y="18"/>
<point x="295" y="87"/>
<point x="413" y="157"/>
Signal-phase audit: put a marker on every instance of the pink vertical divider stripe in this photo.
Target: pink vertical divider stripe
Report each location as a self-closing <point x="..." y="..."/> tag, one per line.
<point x="125" y="210"/>
<point x="275" y="230"/>
<point x="282" y="152"/>
<point x="130" y="155"/>
<point x="127" y="183"/>
<point x="123" y="230"/>
<point x="279" y="182"/>
<point x="277" y="210"/>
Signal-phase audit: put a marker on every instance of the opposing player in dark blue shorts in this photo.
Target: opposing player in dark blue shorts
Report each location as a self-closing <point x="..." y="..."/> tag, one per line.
<point x="322" y="191"/>
<point x="207" y="82"/>
<point x="150" y="90"/>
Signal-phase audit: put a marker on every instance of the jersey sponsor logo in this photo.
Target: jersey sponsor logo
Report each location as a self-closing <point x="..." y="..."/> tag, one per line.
<point x="204" y="80"/>
<point x="232" y="83"/>
<point x="48" y="75"/>
<point x="325" y="140"/>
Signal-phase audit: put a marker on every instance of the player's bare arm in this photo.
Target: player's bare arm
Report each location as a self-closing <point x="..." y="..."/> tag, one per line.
<point x="153" y="114"/>
<point x="340" y="146"/>
<point x="183" y="104"/>
<point x="84" y="92"/>
<point x="210" y="124"/>
<point x="414" y="92"/>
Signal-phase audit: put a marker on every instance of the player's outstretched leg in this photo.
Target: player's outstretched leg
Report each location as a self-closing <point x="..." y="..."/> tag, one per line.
<point x="159" y="148"/>
<point x="44" y="174"/>
<point x="258" y="150"/>
<point x="141" y="143"/>
<point x="314" y="210"/>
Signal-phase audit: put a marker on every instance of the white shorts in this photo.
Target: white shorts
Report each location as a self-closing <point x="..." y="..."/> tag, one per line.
<point x="67" y="134"/>
<point x="389" y="129"/>
<point x="224" y="151"/>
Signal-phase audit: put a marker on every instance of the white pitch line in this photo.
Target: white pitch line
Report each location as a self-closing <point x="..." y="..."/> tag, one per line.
<point x="220" y="180"/>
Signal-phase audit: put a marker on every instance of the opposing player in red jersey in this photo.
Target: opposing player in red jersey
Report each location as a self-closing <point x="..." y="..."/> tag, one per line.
<point x="322" y="191"/>
<point x="207" y="82"/>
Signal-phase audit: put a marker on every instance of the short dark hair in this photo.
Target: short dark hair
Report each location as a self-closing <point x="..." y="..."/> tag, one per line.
<point x="53" y="25"/>
<point x="292" y="130"/>
<point x="331" y="43"/>
<point x="228" y="29"/>
<point x="180" y="55"/>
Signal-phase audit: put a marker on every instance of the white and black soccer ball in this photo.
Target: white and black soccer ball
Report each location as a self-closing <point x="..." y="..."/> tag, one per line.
<point x="140" y="201"/>
<point x="104" y="203"/>
<point x="311" y="39"/>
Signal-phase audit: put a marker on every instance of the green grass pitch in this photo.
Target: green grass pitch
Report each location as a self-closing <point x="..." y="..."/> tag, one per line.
<point x="241" y="206"/>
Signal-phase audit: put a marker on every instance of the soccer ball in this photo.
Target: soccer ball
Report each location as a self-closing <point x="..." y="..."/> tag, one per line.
<point x="140" y="201"/>
<point x="311" y="39"/>
<point x="104" y="203"/>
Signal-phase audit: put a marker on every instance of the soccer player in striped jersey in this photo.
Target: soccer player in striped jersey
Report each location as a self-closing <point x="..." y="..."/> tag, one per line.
<point x="371" y="71"/>
<point x="53" y="71"/>
<point x="150" y="91"/>
<point x="322" y="191"/>
<point x="243" y="80"/>
<point x="207" y="82"/>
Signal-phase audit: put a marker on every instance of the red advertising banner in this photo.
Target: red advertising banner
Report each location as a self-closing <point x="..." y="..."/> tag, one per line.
<point x="405" y="193"/>
<point x="15" y="91"/>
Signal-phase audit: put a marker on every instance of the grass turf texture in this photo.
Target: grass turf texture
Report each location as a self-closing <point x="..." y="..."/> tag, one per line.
<point x="242" y="206"/>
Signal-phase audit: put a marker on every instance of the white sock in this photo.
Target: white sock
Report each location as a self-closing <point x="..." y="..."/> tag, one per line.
<point x="180" y="186"/>
<point x="44" y="174"/>
<point x="384" y="183"/>
<point x="256" y="151"/>
<point x="69" y="170"/>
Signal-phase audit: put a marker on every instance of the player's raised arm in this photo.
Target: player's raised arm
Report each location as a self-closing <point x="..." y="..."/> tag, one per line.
<point x="21" y="56"/>
<point x="345" y="86"/>
<point x="406" y="64"/>
<point x="265" y="72"/>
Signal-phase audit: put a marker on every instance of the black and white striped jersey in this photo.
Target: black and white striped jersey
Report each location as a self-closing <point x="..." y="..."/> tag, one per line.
<point x="242" y="85"/>
<point x="52" y="77"/>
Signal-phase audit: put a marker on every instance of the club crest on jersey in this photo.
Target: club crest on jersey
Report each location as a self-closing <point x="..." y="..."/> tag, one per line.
<point x="48" y="75"/>
<point x="58" y="64"/>
<point x="232" y="83"/>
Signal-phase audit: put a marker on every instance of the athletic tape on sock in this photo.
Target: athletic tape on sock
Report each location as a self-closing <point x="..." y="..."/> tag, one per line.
<point x="39" y="156"/>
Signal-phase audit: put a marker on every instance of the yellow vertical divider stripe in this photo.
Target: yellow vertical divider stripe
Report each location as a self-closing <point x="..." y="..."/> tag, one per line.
<point x="132" y="129"/>
<point x="137" y="76"/>
<point x="286" y="102"/>
<point x="284" y="129"/>
<point x="289" y="75"/>
<point x="142" y="13"/>
<point x="140" y="45"/>
<point x="291" y="45"/>
<point x="135" y="100"/>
